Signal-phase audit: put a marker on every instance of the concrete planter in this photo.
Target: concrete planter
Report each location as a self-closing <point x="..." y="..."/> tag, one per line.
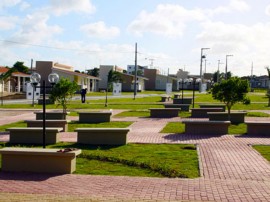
<point x="182" y="101"/>
<point x="202" y="112"/>
<point x="102" y="136"/>
<point x="94" y="117"/>
<point x="164" y="112"/>
<point x="213" y="106"/>
<point x="236" y="117"/>
<point x="183" y="107"/>
<point x="51" y="115"/>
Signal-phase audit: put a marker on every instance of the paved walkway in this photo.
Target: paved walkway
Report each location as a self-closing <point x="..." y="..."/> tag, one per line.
<point x="230" y="171"/>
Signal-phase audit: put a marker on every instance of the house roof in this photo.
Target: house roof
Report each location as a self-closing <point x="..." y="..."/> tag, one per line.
<point x="21" y="74"/>
<point x="75" y="73"/>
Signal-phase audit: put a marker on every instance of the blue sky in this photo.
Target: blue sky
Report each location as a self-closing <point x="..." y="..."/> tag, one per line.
<point x="89" y="33"/>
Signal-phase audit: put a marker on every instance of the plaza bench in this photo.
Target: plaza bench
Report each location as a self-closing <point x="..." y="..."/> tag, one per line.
<point x="165" y="98"/>
<point x="33" y="135"/>
<point x="164" y="112"/>
<point x="235" y="117"/>
<point x="49" y="123"/>
<point x="39" y="160"/>
<point x="258" y="128"/>
<point x="202" y="112"/>
<point x="94" y="117"/>
<point x="102" y="136"/>
<point x="51" y="115"/>
<point x="198" y="127"/>
<point x="182" y="100"/>
<point x="223" y="106"/>
<point x="183" y="107"/>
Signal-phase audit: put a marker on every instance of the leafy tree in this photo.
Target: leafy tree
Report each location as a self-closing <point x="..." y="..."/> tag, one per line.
<point x="114" y="77"/>
<point x="93" y="72"/>
<point x="20" y="67"/>
<point x="63" y="91"/>
<point x="231" y="91"/>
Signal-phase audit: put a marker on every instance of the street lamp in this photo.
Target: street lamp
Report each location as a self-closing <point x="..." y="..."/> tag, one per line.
<point x="194" y="81"/>
<point x="226" y="67"/>
<point x="35" y="78"/>
<point x="202" y="57"/>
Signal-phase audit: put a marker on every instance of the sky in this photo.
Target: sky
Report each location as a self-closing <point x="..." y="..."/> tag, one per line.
<point x="169" y="34"/>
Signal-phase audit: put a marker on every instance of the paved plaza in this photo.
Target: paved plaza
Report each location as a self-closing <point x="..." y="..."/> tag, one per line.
<point x="230" y="170"/>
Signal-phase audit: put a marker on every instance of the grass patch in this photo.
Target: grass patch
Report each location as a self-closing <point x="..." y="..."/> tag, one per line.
<point x="114" y="124"/>
<point x="258" y="114"/>
<point x="264" y="150"/>
<point x="134" y="113"/>
<point x="238" y="129"/>
<point x="174" y="127"/>
<point x="16" y="124"/>
<point x="143" y="160"/>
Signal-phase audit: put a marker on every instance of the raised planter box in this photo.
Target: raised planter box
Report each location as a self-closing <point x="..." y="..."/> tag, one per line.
<point x="38" y="160"/>
<point x="102" y="136"/>
<point x="49" y="123"/>
<point x="94" y="117"/>
<point x="213" y="106"/>
<point x="258" y="128"/>
<point x="236" y="117"/>
<point x="183" y="107"/>
<point x="51" y="115"/>
<point x="47" y="101"/>
<point x="164" y="112"/>
<point x="165" y="98"/>
<point x="22" y="135"/>
<point x="182" y="101"/>
<point x="202" y="112"/>
<point x="198" y="127"/>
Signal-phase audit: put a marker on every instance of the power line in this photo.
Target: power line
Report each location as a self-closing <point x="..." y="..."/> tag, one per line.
<point x="59" y="48"/>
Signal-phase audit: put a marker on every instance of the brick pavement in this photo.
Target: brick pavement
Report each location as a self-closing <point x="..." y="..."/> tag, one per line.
<point x="231" y="171"/>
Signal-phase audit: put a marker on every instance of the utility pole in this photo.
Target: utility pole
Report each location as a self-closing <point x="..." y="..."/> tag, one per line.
<point x="135" y="82"/>
<point x="219" y="63"/>
<point x="33" y="98"/>
<point x="226" y="67"/>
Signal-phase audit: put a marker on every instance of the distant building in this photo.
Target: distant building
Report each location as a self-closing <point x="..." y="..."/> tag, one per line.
<point x="131" y="69"/>
<point x="44" y="68"/>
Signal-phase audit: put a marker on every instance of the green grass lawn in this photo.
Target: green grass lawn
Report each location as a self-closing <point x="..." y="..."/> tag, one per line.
<point x="144" y="160"/>
<point x="16" y="124"/>
<point x="264" y="150"/>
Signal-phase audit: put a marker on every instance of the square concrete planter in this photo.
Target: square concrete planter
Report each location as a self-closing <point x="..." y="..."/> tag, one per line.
<point x="102" y="136"/>
<point x="51" y="115"/>
<point x="182" y="101"/>
<point x="164" y="112"/>
<point x="202" y="112"/>
<point x="235" y="118"/>
<point x="38" y="160"/>
<point x="94" y="117"/>
<point x="183" y="107"/>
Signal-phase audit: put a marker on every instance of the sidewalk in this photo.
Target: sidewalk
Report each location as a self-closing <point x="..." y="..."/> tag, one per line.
<point x="230" y="171"/>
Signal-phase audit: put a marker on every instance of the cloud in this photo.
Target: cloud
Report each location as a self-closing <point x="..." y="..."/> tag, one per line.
<point x="60" y="7"/>
<point x="8" y="22"/>
<point x="239" y="5"/>
<point x="35" y="29"/>
<point x="100" y="30"/>
<point x="9" y="3"/>
<point x="167" y="19"/>
<point x="267" y="10"/>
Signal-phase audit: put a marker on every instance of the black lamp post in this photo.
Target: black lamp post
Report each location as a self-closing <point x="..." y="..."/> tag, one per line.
<point x="194" y="81"/>
<point x="35" y="78"/>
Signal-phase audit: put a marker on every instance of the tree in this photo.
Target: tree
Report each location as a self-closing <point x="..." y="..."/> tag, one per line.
<point x="63" y="91"/>
<point x="114" y="77"/>
<point x="268" y="91"/>
<point x="231" y="91"/>
<point x="93" y="72"/>
<point x="20" y="67"/>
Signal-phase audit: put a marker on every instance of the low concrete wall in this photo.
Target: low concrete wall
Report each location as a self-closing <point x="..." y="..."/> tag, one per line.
<point x="182" y="101"/>
<point x="102" y="136"/>
<point x="258" y="128"/>
<point x="213" y="106"/>
<point x="51" y="115"/>
<point x="236" y="117"/>
<point x="38" y="160"/>
<point x="164" y="112"/>
<point x="49" y="123"/>
<point x="197" y="127"/>
<point x="20" y="135"/>
<point x="94" y="117"/>
<point x="183" y="107"/>
<point x="202" y="112"/>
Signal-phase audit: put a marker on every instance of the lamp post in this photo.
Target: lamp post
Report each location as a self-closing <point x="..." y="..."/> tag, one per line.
<point x="35" y="78"/>
<point x="194" y="81"/>
<point x="202" y="57"/>
<point x="226" y="66"/>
